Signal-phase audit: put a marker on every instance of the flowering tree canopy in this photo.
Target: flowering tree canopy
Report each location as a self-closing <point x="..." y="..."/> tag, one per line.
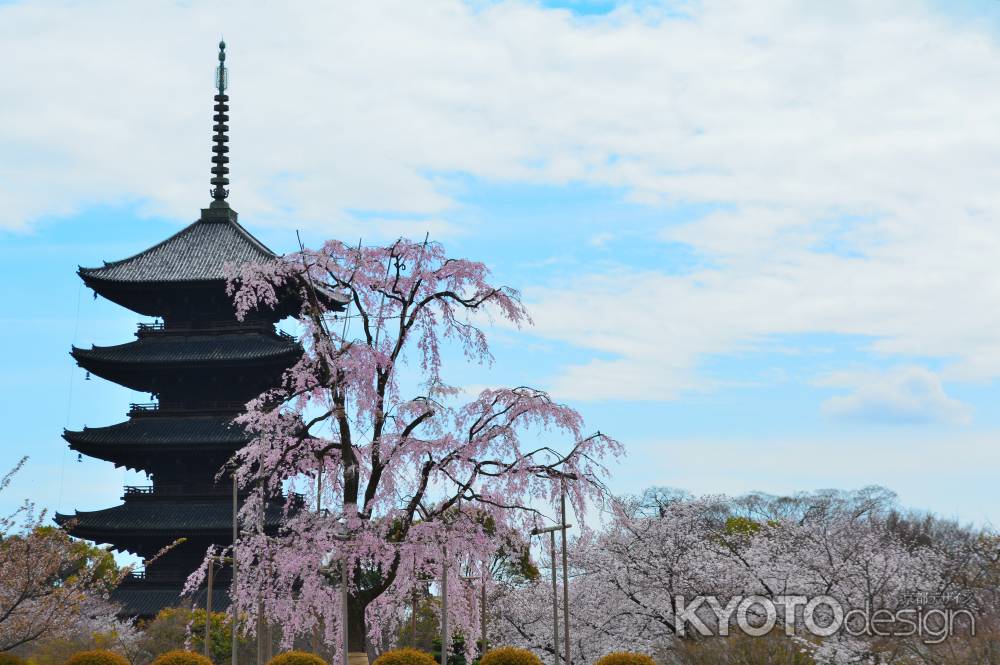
<point x="50" y="584"/>
<point x="400" y="478"/>
<point x="852" y="547"/>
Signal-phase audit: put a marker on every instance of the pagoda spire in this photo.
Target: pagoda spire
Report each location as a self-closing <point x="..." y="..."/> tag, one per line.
<point x="220" y="159"/>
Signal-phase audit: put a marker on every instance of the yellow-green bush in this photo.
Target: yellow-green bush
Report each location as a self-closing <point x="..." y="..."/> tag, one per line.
<point x="405" y="656"/>
<point x="10" y="659"/>
<point x="625" y="658"/>
<point x="296" y="658"/>
<point x="97" y="657"/>
<point x="509" y="656"/>
<point x="181" y="657"/>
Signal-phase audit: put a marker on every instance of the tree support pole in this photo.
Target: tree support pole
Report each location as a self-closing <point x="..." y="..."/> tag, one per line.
<point x="444" y="608"/>
<point x="232" y="586"/>
<point x="413" y="621"/>
<point x="208" y="607"/>
<point x="565" y="572"/>
<point x="260" y="630"/>
<point x="555" y="600"/>
<point x="345" y="611"/>
<point x="482" y="614"/>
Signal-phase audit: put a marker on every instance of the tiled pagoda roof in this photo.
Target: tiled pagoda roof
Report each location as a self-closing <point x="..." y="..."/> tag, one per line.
<point x="183" y="350"/>
<point x="196" y="253"/>
<point x="174" y="517"/>
<point x="144" y="601"/>
<point x="163" y="431"/>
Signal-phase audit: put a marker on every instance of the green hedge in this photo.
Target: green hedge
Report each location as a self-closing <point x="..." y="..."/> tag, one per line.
<point x="181" y="657"/>
<point x="296" y="658"/>
<point x="405" y="656"/>
<point x="625" y="658"/>
<point x="509" y="656"/>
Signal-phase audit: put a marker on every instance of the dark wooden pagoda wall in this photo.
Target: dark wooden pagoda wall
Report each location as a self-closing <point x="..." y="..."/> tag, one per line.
<point x="185" y="488"/>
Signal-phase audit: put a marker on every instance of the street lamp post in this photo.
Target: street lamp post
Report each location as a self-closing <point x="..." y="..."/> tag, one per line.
<point x="565" y="567"/>
<point x="482" y="606"/>
<point x="208" y="597"/>
<point x="482" y="613"/>
<point x="444" y="606"/>
<point x="232" y="586"/>
<point x="555" y="592"/>
<point x="208" y="606"/>
<point x="344" y="600"/>
<point x="343" y="536"/>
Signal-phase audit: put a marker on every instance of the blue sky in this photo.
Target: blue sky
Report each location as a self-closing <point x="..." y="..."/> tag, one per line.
<point x="759" y="240"/>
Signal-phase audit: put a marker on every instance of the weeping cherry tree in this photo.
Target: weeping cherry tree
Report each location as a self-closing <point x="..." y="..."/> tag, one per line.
<point x="399" y="480"/>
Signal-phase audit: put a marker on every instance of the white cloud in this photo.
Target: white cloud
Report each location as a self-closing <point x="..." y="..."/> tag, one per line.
<point x="357" y="106"/>
<point x="600" y="240"/>
<point x="902" y="395"/>
<point x="852" y="146"/>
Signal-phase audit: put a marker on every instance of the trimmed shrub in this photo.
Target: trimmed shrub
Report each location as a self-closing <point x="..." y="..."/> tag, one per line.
<point x="405" y="656"/>
<point x="97" y="657"/>
<point x="181" y="657"/>
<point x="296" y="658"/>
<point x="509" y="656"/>
<point x="11" y="659"/>
<point x="625" y="658"/>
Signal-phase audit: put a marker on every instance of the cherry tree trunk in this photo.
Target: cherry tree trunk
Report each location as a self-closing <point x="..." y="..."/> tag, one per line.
<point x="357" y="632"/>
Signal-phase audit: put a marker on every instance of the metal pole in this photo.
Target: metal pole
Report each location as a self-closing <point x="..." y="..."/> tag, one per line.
<point x="413" y="621"/>
<point x="344" y="580"/>
<point x="319" y="489"/>
<point x="232" y="585"/>
<point x="413" y="608"/>
<point x="208" y="606"/>
<point x="444" y="607"/>
<point x="555" y="600"/>
<point x="482" y="613"/>
<point x="555" y="589"/>
<point x="565" y="572"/>
<point x="260" y="631"/>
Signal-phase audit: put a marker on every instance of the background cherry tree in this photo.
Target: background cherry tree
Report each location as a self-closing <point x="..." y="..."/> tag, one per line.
<point x="400" y="476"/>
<point x="50" y="585"/>
<point x="856" y="547"/>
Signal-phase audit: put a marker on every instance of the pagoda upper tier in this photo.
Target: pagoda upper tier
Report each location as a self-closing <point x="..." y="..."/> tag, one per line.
<point x="239" y="365"/>
<point x="152" y="436"/>
<point x="183" y="278"/>
<point x="203" y="366"/>
<point x="144" y="527"/>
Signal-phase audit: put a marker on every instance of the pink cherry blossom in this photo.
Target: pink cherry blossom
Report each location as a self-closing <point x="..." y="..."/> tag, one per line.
<point x="396" y="482"/>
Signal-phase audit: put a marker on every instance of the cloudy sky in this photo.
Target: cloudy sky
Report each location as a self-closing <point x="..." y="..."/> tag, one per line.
<point x="760" y="239"/>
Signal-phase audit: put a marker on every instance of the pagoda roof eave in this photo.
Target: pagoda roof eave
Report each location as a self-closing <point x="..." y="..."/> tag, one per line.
<point x="176" y="350"/>
<point x="134" y="295"/>
<point x="135" y="442"/>
<point x="172" y="518"/>
<point x="162" y="432"/>
<point x="195" y="256"/>
<point x="145" y="599"/>
<point x="198" y="252"/>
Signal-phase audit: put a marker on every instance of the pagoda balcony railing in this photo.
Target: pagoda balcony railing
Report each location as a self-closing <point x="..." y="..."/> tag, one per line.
<point x="137" y="574"/>
<point x="181" y="490"/>
<point x="209" y="328"/>
<point x="176" y="489"/>
<point x="174" y="409"/>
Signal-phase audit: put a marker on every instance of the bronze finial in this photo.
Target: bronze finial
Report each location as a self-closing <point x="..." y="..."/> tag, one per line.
<point x="220" y="159"/>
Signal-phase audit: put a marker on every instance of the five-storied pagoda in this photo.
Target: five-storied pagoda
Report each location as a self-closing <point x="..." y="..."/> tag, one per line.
<point x="202" y="366"/>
